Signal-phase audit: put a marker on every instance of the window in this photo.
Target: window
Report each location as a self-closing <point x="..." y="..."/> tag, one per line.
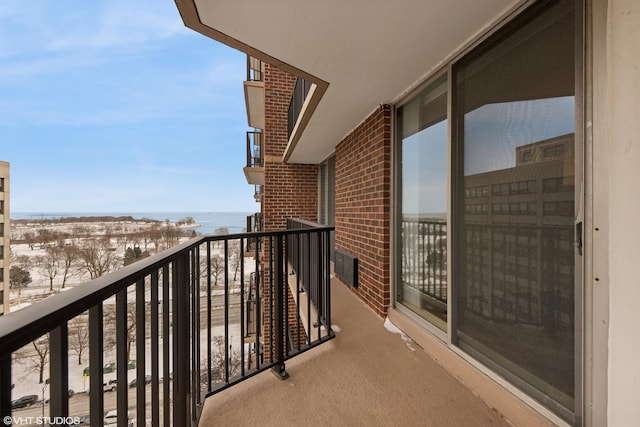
<point x="512" y="143"/>
<point x="326" y="197"/>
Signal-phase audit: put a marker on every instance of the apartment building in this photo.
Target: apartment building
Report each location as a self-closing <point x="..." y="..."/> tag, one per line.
<point x="478" y="161"/>
<point x="5" y="238"/>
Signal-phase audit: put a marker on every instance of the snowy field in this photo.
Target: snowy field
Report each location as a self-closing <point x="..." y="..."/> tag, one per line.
<point x="24" y="374"/>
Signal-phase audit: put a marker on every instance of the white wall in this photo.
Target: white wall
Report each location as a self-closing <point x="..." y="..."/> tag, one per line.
<point x="623" y="69"/>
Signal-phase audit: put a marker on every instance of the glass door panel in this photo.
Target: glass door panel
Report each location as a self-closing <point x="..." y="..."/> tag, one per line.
<point x="422" y="223"/>
<point x="515" y="195"/>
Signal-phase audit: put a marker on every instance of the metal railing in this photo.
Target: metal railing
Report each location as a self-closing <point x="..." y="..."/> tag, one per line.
<point x="184" y="316"/>
<point x="254" y="149"/>
<point x="424" y="256"/>
<point x="300" y="92"/>
<point x="254" y="69"/>
<point x="310" y="268"/>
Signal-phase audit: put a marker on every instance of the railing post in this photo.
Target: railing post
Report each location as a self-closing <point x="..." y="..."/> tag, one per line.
<point x="96" y="360"/>
<point x="59" y="372"/>
<point x="279" y="367"/>
<point x="5" y="386"/>
<point x="122" y="390"/>
<point x="181" y="349"/>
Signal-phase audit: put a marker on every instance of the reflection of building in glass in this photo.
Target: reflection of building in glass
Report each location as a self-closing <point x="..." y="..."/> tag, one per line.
<point x="519" y="238"/>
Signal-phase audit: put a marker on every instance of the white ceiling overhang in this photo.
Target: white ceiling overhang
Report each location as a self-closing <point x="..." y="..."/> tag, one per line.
<point x="359" y="53"/>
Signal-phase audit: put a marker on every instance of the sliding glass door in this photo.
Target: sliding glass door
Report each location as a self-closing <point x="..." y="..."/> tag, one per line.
<point x="514" y="201"/>
<point x="422" y="150"/>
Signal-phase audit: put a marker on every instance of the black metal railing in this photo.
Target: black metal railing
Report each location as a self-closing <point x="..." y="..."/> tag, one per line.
<point x="254" y="69"/>
<point x="424" y="256"/>
<point x="311" y="269"/>
<point x="300" y="92"/>
<point x="184" y="313"/>
<point x="257" y="192"/>
<point x="254" y="149"/>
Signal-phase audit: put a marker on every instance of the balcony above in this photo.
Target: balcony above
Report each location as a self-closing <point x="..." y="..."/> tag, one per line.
<point x="254" y="100"/>
<point x="254" y="93"/>
<point x="254" y="171"/>
<point x="352" y="71"/>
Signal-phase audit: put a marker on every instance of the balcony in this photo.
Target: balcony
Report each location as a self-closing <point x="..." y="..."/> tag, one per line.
<point x="257" y="195"/>
<point x="254" y="171"/>
<point x="298" y="98"/>
<point x="370" y="374"/>
<point x="254" y="93"/>
<point x="200" y="318"/>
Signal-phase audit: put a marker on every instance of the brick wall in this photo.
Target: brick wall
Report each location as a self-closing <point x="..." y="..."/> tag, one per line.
<point x="363" y="207"/>
<point x="290" y="190"/>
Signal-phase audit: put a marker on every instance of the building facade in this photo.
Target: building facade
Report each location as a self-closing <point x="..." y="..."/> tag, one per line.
<point x="483" y="176"/>
<point x="5" y="238"/>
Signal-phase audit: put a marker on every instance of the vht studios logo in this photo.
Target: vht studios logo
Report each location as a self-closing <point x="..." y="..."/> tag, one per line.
<point x="40" y="421"/>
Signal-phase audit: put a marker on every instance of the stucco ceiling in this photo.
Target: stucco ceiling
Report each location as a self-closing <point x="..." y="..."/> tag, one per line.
<point x="365" y="52"/>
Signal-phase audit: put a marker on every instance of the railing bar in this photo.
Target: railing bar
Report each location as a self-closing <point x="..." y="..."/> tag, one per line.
<point x="279" y="367"/>
<point x="271" y="263"/>
<point x="209" y="360"/>
<point x="285" y="291"/>
<point x="226" y="311"/>
<point x="96" y="361"/>
<point x="297" y="270"/>
<point x="140" y="353"/>
<point x="122" y="398"/>
<point x="308" y="287"/>
<point x="327" y="260"/>
<point x="59" y="371"/>
<point x="181" y="356"/>
<point x="195" y="330"/>
<point x="242" y="307"/>
<point x="5" y="385"/>
<point x="166" y="341"/>
<point x="318" y="291"/>
<point x="155" y="350"/>
<point x="258" y="304"/>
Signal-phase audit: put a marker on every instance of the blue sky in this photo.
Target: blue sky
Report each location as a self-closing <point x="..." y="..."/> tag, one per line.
<point x="115" y="106"/>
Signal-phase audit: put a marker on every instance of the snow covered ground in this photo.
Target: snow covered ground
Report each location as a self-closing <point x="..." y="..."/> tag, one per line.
<point x="26" y="379"/>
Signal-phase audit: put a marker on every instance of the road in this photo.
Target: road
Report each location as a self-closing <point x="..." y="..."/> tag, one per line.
<point x="79" y="406"/>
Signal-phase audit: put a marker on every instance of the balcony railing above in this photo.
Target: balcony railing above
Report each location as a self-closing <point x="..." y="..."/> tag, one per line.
<point x="254" y="93"/>
<point x="299" y="95"/>
<point x="258" y="193"/>
<point x="206" y="314"/>
<point x="254" y="171"/>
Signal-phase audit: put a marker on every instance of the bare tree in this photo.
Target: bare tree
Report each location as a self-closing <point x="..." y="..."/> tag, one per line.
<point x="110" y="339"/>
<point x="217" y="268"/>
<point x="30" y="238"/>
<point x="35" y="362"/>
<point x="79" y="336"/>
<point x="218" y="361"/>
<point x="97" y="257"/>
<point x="49" y="264"/>
<point x="45" y="237"/>
<point x="68" y="259"/>
<point x="236" y="258"/>
<point x="171" y="235"/>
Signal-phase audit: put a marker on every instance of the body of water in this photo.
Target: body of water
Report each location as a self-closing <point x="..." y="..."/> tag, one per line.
<point x="236" y="222"/>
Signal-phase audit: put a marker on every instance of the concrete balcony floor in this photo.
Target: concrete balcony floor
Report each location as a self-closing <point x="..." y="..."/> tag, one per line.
<point x="366" y="376"/>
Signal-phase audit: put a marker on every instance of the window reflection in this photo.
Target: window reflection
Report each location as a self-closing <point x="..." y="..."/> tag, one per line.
<point x="423" y="192"/>
<point x="515" y="259"/>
